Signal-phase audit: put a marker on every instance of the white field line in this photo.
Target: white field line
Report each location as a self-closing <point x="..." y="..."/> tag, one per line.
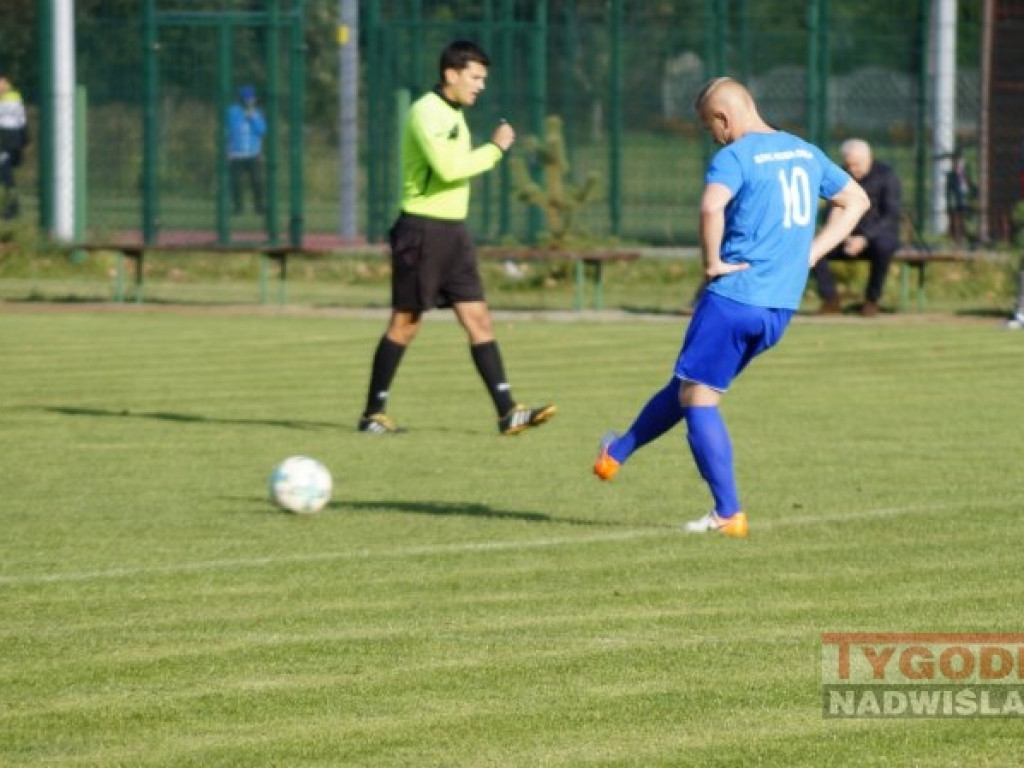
<point x="446" y="549"/>
<point x="261" y="562"/>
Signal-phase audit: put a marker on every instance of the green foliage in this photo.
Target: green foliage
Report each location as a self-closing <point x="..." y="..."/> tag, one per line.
<point x="21" y="246"/>
<point x="555" y="196"/>
<point x="18" y="45"/>
<point x="1017" y="221"/>
<point x="444" y="611"/>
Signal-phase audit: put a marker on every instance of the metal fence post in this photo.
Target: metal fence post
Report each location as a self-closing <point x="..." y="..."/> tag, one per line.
<point x="273" y="118"/>
<point x="817" y="70"/>
<point x="150" y="127"/>
<point x="296" y="132"/>
<point x="46" y="148"/>
<point x="538" y="91"/>
<point x="921" y="161"/>
<point x="375" y="113"/>
<point x="81" y="142"/>
<point x="223" y="99"/>
<point x="403" y="100"/>
<point x="348" y="117"/>
<point x="615" y="32"/>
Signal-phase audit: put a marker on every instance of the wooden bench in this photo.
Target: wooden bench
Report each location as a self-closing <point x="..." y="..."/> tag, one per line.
<point x="919" y="257"/>
<point x="582" y="261"/>
<point x="136" y="253"/>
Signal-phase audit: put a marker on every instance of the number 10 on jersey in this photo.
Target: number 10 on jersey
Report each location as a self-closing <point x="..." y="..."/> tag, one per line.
<point x="796" y="197"/>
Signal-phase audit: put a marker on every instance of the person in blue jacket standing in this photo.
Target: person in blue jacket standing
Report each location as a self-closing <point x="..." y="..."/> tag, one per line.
<point x="246" y="129"/>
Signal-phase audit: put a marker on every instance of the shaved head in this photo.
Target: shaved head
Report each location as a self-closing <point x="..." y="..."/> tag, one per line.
<point x="721" y="89"/>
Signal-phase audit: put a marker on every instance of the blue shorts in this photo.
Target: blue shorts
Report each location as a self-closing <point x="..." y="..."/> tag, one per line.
<point x="724" y="336"/>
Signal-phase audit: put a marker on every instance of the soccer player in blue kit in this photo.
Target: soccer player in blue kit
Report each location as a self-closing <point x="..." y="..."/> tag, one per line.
<point x="758" y="241"/>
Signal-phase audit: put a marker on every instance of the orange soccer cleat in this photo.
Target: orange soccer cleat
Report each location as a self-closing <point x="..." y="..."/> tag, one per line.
<point x="734" y="526"/>
<point x="605" y="467"/>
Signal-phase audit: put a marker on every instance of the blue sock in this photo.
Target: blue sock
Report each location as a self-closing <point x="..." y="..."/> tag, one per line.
<point x="658" y="416"/>
<point x="712" y="451"/>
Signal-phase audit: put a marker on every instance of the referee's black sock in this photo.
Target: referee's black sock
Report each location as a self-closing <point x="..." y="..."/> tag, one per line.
<point x="385" y="365"/>
<point x="487" y="358"/>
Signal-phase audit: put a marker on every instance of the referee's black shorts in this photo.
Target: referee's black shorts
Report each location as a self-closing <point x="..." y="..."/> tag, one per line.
<point x="433" y="264"/>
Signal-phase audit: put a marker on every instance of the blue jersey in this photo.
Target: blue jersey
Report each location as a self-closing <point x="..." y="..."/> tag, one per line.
<point x="775" y="180"/>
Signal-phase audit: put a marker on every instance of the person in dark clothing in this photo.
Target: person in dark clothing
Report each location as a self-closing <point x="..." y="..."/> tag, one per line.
<point x="875" y="238"/>
<point x="13" y="140"/>
<point x="959" y="191"/>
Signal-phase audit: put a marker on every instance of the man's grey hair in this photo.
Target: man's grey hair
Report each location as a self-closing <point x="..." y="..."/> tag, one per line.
<point x="855" y="146"/>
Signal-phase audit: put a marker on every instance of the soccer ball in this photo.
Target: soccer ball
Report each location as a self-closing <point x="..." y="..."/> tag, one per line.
<point x="300" y="484"/>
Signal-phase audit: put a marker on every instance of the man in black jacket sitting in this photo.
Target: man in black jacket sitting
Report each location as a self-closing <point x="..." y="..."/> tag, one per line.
<point x="875" y="238"/>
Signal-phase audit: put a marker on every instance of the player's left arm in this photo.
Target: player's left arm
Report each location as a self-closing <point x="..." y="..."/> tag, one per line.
<point x="847" y="207"/>
<point x="712" y="231"/>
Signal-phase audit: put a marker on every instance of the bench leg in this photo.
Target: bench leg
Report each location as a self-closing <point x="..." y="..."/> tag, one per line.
<point x="263" y="258"/>
<point x="282" y="285"/>
<point x="264" y="269"/>
<point x="580" y="278"/>
<point x="119" y="278"/>
<point x="598" y="285"/>
<point x="921" y="299"/>
<point x="139" y="277"/>
<point x="120" y="293"/>
<point x="904" y="287"/>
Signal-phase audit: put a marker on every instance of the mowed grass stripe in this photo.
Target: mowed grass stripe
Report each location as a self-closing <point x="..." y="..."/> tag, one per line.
<point x="936" y="512"/>
<point x="536" y="591"/>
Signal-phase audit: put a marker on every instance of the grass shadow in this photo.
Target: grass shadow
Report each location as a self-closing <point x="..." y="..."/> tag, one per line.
<point x="466" y="509"/>
<point x="185" y="418"/>
<point x="682" y="311"/>
<point x="69" y="298"/>
<point x="997" y="313"/>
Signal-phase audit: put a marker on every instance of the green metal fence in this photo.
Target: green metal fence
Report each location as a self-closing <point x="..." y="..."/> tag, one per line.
<point x="620" y="73"/>
<point x="160" y="78"/>
<point x="623" y="75"/>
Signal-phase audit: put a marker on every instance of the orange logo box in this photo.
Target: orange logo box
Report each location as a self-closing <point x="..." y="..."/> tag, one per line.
<point x="868" y="657"/>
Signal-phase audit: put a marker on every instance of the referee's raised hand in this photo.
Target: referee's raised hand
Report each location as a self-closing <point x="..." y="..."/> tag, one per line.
<point x="504" y="136"/>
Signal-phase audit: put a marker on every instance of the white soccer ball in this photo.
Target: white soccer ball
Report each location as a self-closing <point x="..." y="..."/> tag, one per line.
<point x="300" y="484"/>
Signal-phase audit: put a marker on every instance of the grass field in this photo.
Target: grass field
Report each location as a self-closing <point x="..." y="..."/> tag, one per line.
<point x="470" y="600"/>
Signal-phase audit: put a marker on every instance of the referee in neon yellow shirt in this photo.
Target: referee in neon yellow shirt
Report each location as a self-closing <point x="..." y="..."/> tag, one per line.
<point x="432" y="254"/>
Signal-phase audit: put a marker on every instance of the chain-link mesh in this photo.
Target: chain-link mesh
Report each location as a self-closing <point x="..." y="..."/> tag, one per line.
<point x="827" y="71"/>
<point x="176" y="96"/>
<point x="620" y="74"/>
<point x="1006" y="112"/>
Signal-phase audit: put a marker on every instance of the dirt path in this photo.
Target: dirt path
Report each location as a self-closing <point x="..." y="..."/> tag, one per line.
<point x="565" y="316"/>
